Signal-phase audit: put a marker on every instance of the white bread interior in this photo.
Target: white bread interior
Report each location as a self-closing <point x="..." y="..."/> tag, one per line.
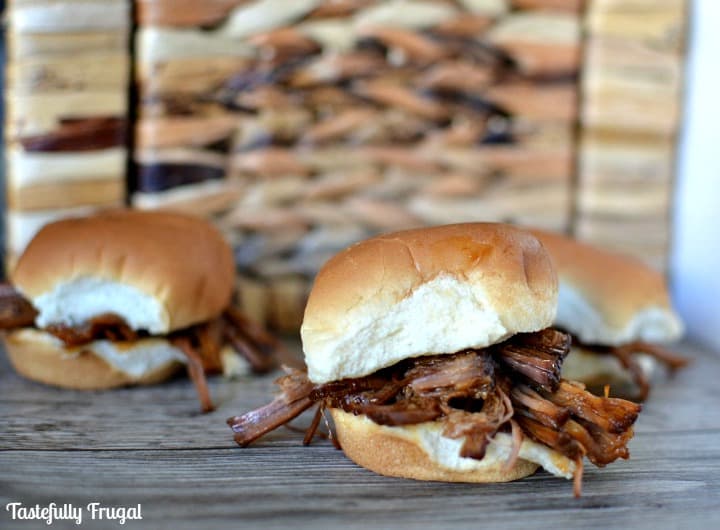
<point x="421" y="452"/>
<point x="80" y="299"/>
<point x="423" y="292"/>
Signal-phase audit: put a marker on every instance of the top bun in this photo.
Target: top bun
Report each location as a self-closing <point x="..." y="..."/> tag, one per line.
<point x="423" y="292"/>
<point x="607" y="298"/>
<point x="159" y="271"/>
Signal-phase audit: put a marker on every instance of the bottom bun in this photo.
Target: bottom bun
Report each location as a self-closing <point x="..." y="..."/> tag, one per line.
<point x="405" y="452"/>
<point x="99" y="365"/>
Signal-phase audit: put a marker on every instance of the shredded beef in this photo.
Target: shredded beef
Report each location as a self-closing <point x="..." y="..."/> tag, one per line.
<point x="259" y="348"/>
<point x="294" y="399"/>
<point x="15" y="310"/>
<point x="105" y="326"/>
<point x="626" y="355"/>
<point x="514" y="387"/>
<point x="611" y="414"/>
<point x="537" y="356"/>
<point x="195" y="372"/>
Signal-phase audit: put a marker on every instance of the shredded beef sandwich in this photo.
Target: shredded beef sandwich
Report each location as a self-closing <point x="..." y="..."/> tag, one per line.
<point x="432" y="351"/>
<point x="619" y="313"/>
<point x="127" y="297"/>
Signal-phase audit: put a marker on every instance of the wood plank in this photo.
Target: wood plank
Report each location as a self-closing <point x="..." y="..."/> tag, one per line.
<point x="151" y="446"/>
<point x="670" y="482"/>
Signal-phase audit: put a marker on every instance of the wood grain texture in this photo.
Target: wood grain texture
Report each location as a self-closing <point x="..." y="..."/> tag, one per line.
<point x="150" y="446"/>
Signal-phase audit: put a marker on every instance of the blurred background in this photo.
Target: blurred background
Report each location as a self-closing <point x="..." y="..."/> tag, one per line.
<point x="301" y="126"/>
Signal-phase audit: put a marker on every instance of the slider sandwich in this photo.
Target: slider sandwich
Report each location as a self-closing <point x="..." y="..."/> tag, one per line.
<point x="431" y="350"/>
<point x="124" y="298"/>
<point x="619" y="314"/>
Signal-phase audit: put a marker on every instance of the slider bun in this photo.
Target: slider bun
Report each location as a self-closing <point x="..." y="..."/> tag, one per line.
<point x="425" y="291"/>
<point x="40" y="357"/>
<point x="607" y="298"/>
<point x="387" y="452"/>
<point x="595" y="370"/>
<point x="159" y="271"/>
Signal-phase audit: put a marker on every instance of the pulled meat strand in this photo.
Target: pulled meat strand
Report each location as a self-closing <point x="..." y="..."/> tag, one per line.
<point x="537" y="356"/>
<point x="517" y="440"/>
<point x="207" y="339"/>
<point x="265" y="342"/>
<point x="333" y="438"/>
<point x="611" y="414"/>
<point x="260" y="361"/>
<point x="672" y="360"/>
<point x="561" y="441"/>
<point x="196" y="372"/>
<point x="405" y="412"/>
<point x="293" y="401"/>
<point x="15" y="310"/>
<point x="310" y="433"/>
<point x="636" y="372"/>
<point x="464" y="372"/>
<point x="533" y="405"/>
<point x="625" y="354"/>
<point x="478" y="428"/>
<point x="351" y="394"/>
<point x="577" y="478"/>
<point x="605" y="447"/>
<point x="108" y="326"/>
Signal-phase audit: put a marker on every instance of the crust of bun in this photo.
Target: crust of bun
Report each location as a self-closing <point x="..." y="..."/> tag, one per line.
<point x="45" y="361"/>
<point x="425" y="291"/>
<point x="379" y="450"/>
<point x="608" y="298"/>
<point x="176" y="263"/>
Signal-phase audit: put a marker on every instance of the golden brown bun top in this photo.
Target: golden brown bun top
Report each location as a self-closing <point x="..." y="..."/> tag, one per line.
<point x="629" y="299"/>
<point x="181" y="261"/>
<point x="423" y="291"/>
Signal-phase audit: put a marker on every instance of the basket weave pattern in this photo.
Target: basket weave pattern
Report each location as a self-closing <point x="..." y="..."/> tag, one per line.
<point x="303" y="129"/>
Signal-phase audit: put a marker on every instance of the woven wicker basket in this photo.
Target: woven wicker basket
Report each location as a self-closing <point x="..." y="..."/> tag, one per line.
<point x="305" y="128"/>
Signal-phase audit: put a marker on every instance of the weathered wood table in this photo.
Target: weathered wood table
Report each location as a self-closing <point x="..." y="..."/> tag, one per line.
<point x="151" y="446"/>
